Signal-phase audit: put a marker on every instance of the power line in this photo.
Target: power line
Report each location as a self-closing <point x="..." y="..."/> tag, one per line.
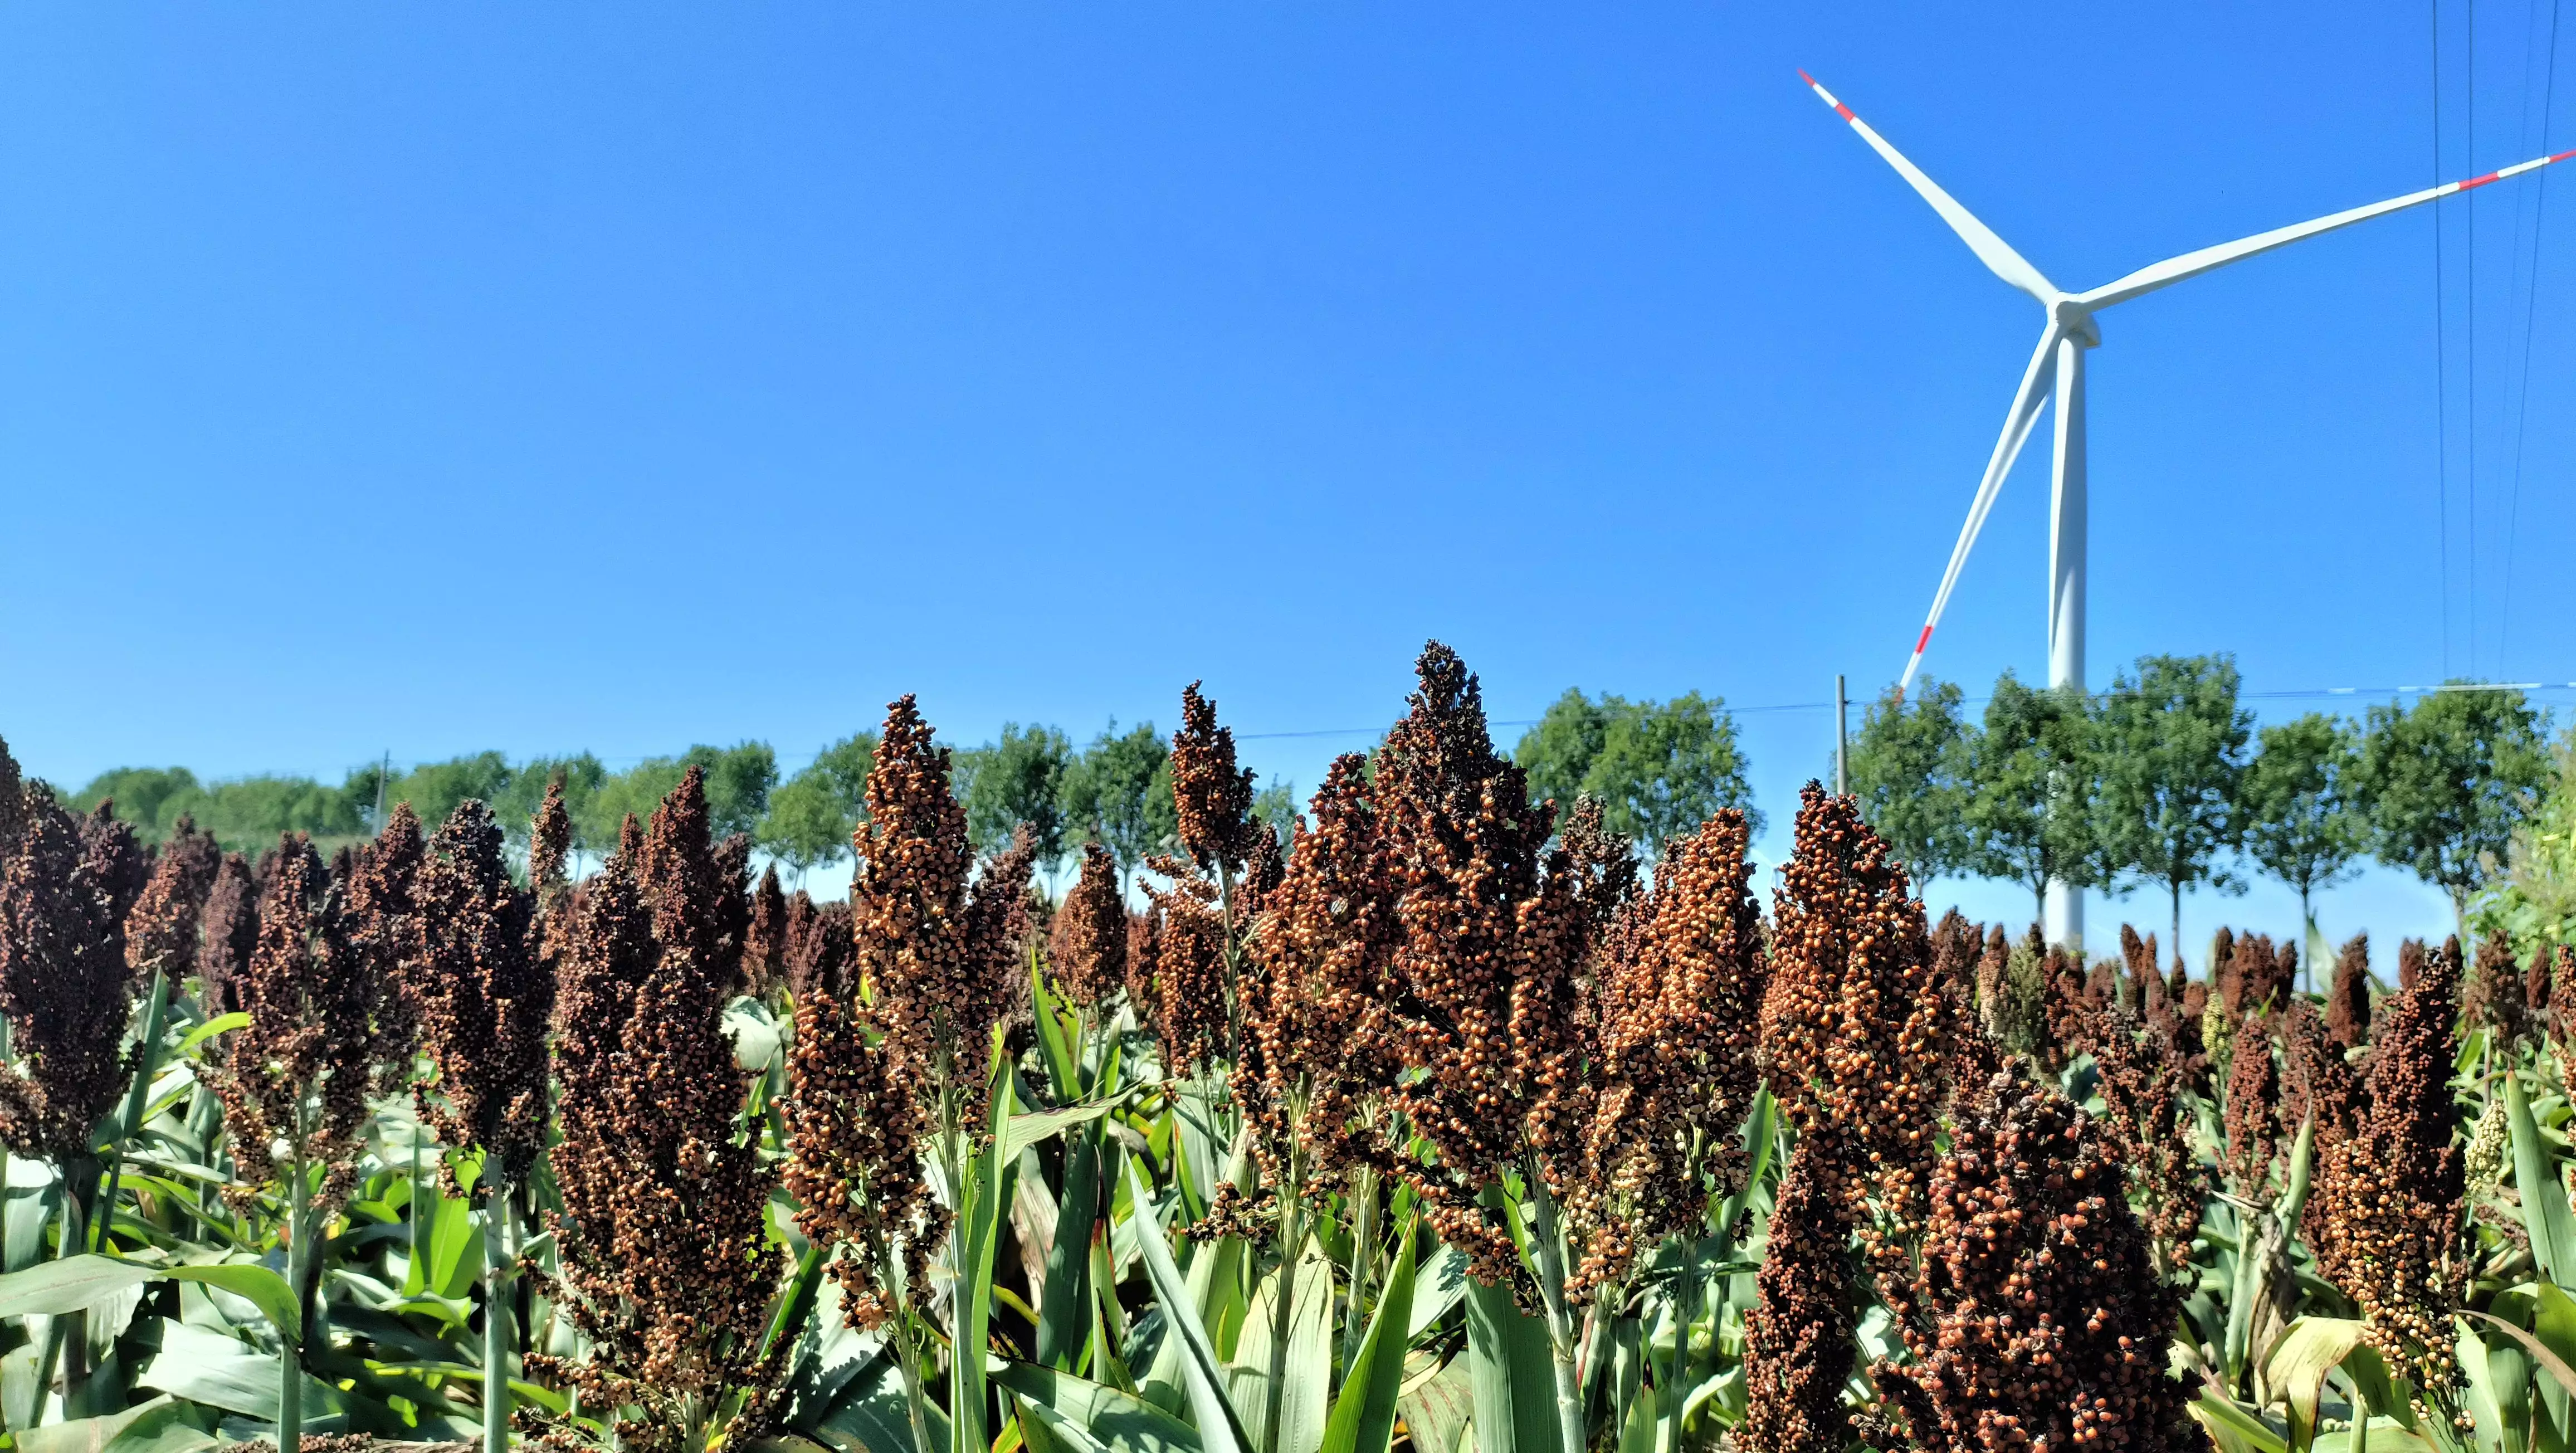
<point x="2530" y="319"/>
<point x="2441" y="364"/>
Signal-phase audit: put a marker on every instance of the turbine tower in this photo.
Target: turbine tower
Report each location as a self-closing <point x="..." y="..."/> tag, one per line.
<point x="2057" y="368"/>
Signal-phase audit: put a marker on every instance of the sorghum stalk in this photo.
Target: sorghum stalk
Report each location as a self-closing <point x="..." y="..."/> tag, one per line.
<point x="290" y="1342"/>
<point x="1547" y="1241"/>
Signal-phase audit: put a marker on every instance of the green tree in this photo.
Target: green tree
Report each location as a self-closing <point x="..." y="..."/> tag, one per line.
<point x="1108" y="793"/>
<point x="2445" y="782"/>
<point x="2169" y="749"/>
<point x="1276" y="805"/>
<point x="2029" y="790"/>
<point x="1909" y="774"/>
<point x="1016" y="779"/>
<point x="738" y="783"/>
<point x="151" y="798"/>
<point x="434" y="788"/>
<point x="812" y="815"/>
<point x="2535" y="901"/>
<point x="1659" y="768"/>
<point x="2300" y="823"/>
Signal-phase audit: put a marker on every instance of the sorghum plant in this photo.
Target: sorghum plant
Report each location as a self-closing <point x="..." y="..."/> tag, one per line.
<point x="2385" y="1221"/>
<point x="664" y="1227"/>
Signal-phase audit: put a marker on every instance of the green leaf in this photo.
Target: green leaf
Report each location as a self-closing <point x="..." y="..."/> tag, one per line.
<point x="1118" y="1422"/>
<point x="2545" y="1212"/>
<point x="255" y="1284"/>
<point x="210" y="1368"/>
<point x="1220" y="1429"/>
<point x="220" y="1024"/>
<point x="1064" y="1311"/>
<point x="1042" y="1125"/>
<point x="1437" y="1288"/>
<point x="1363" y="1418"/>
<point x="2310" y="1349"/>
<point x="1512" y="1375"/>
<point x="52" y="1288"/>
<point x="1438" y="1406"/>
<point x="455" y="1249"/>
<point x="1307" y="1368"/>
<point x="990" y="1194"/>
<point x="163" y="1425"/>
<point x="2550" y="1362"/>
<point x="2233" y="1429"/>
<point x="1063" y="1075"/>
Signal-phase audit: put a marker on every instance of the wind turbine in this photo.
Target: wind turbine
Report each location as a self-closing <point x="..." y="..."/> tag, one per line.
<point x="2057" y="367"/>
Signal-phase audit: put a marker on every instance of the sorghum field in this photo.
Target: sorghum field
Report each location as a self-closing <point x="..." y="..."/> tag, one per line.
<point x="1444" y="1126"/>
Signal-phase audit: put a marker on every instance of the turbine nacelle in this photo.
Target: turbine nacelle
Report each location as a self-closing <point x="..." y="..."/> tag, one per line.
<point x="2072" y="318"/>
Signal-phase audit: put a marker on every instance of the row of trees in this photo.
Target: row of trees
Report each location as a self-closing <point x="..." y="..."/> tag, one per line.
<point x="2163" y="782"/>
<point x="1659" y="768"/>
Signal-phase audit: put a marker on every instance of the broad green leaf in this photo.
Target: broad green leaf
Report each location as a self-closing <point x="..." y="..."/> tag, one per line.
<point x="1118" y="1422"/>
<point x="455" y="1249"/>
<point x="1308" y="1365"/>
<point x="1064" y="1311"/>
<point x="2233" y="1429"/>
<point x="1512" y="1375"/>
<point x="220" y="1024"/>
<point x="988" y="1196"/>
<point x="2545" y="1213"/>
<point x="2487" y="1391"/>
<point x="52" y="1288"/>
<point x="1438" y="1286"/>
<point x="871" y="1417"/>
<point x="1039" y="1126"/>
<point x="210" y="1368"/>
<point x="163" y="1425"/>
<point x="2554" y="1323"/>
<point x="255" y="1284"/>
<point x="1363" y="1418"/>
<point x="1220" y="1428"/>
<point x="1064" y="1078"/>
<point x="2311" y="1348"/>
<point x="1438" y="1406"/>
<point x="2550" y="1362"/>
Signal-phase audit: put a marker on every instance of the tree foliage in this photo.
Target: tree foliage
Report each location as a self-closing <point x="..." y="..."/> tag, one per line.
<point x="2446" y="781"/>
<point x="811" y="816"/>
<point x="1014" y="780"/>
<point x="1658" y="767"/>
<point x="2168" y="750"/>
<point x="1119" y="792"/>
<point x="1909" y="770"/>
<point x="2301" y="826"/>
<point x="2027" y="813"/>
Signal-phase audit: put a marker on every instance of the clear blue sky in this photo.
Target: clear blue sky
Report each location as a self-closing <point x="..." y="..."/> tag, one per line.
<point x="582" y="376"/>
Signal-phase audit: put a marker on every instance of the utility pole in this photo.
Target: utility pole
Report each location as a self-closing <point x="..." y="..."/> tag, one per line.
<point x="1842" y="740"/>
<point x="382" y="772"/>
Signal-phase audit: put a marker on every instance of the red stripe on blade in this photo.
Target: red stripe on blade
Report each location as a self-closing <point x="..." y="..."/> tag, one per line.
<point x="2477" y="181"/>
<point x="1844" y="112"/>
<point x="1922" y="640"/>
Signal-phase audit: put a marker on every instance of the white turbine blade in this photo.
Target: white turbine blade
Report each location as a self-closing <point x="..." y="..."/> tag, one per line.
<point x="1998" y="255"/>
<point x="2035" y="383"/>
<point x="2192" y="264"/>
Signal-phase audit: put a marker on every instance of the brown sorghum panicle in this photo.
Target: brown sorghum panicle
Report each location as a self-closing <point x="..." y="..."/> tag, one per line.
<point x="379" y="931"/>
<point x="2147" y="1119"/>
<point x="1213" y="796"/>
<point x="161" y="931"/>
<point x="298" y="1074"/>
<point x="1489" y="928"/>
<point x="2348" y="998"/>
<point x="733" y="912"/>
<point x="933" y="996"/>
<point x="2319" y="1084"/>
<point x="231" y="931"/>
<point x="2252" y="1109"/>
<point x="487" y="993"/>
<point x="1144" y="949"/>
<point x="2384" y="1217"/>
<point x="2535" y="988"/>
<point x="666" y="1204"/>
<point x="819" y="948"/>
<point x="1185" y="994"/>
<point x="2039" y="1320"/>
<point x="1090" y="952"/>
<point x="1315" y="1017"/>
<point x="1798" y="1337"/>
<point x="854" y="1129"/>
<point x="65" y="987"/>
<point x="2493" y="998"/>
<point x="1676" y="994"/>
<point x="2410" y="962"/>
<point x="1856" y="1033"/>
<point x="2562" y="994"/>
<point x="764" y="943"/>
